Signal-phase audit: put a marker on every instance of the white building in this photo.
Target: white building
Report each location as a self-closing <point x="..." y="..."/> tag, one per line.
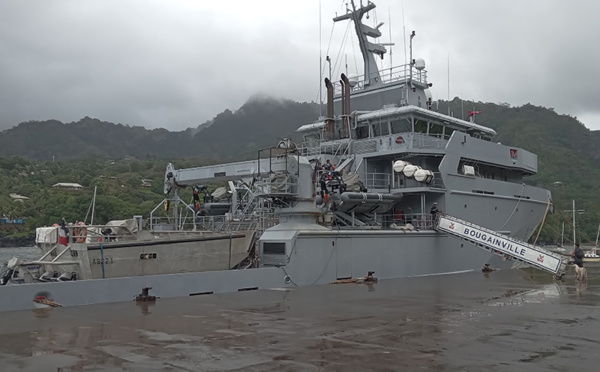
<point x="67" y="186"/>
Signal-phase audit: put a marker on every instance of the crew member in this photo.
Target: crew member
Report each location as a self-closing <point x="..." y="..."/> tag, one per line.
<point x="197" y="199"/>
<point x="577" y="255"/>
<point x="324" y="191"/>
<point x="434" y="209"/>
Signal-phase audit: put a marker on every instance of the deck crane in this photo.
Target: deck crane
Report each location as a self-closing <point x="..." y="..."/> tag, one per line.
<point x="239" y="176"/>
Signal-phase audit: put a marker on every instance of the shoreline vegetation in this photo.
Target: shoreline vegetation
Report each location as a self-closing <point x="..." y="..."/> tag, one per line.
<point x="129" y="173"/>
<point x="17" y="241"/>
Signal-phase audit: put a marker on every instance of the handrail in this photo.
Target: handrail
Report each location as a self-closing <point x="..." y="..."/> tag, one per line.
<point x="217" y="223"/>
<point x="388" y="222"/>
<point x="61" y="253"/>
<point x="396" y="73"/>
<point x="376" y="180"/>
<point x="410" y="140"/>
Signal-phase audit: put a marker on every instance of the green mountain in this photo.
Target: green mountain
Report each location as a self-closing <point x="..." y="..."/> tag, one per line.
<point x="258" y="124"/>
<point x="116" y="157"/>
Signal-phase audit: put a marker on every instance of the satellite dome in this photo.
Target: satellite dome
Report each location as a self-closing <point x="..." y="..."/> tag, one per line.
<point x="419" y="64"/>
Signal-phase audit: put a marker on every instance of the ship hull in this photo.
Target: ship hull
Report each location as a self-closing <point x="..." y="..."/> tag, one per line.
<point x="319" y="257"/>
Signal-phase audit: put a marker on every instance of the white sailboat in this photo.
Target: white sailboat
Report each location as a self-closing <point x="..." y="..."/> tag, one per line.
<point x="591" y="255"/>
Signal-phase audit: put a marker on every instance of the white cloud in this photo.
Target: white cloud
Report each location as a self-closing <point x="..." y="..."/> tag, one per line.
<point x="176" y="64"/>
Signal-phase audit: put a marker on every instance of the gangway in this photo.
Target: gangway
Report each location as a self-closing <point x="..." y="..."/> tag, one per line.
<point x="494" y="241"/>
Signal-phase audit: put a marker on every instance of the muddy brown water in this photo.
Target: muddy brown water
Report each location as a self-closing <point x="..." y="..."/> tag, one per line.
<point x="515" y="320"/>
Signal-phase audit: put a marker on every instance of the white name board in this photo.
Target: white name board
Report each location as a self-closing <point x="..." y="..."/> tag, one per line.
<point x="501" y="243"/>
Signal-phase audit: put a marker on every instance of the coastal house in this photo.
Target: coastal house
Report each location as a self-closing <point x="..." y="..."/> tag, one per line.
<point x="18" y="198"/>
<point x="67" y="186"/>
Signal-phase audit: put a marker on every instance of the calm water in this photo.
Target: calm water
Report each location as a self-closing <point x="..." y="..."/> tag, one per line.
<point x="27" y="253"/>
<point x="505" y="321"/>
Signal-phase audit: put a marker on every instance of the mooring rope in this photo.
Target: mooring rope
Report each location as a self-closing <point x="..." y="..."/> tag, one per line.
<point x="542" y="224"/>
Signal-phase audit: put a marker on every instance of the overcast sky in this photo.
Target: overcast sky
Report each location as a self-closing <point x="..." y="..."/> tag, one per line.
<point x="177" y="63"/>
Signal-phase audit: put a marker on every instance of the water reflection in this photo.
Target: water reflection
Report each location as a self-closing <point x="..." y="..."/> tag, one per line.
<point x="145" y="306"/>
<point x="43" y="312"/>
<point x="446" y="320"/>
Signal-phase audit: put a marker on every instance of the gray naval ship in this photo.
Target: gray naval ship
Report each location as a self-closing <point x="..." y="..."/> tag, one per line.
<point x="382" y="184"/>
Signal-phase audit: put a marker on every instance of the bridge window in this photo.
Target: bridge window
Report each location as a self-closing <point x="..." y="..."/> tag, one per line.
<point x="362" y="132"/>
<point x="420" y="126"/>
<point x="401" y="126"/>
<point x="436" y="129"/>
<point x="380" y="129"/>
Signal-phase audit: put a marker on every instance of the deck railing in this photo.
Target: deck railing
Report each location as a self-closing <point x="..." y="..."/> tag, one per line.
<point x="259" y="221"/>
<point x="386" y="181"/>
<point x="398" y="221"/>
<point x="389" y="75"/>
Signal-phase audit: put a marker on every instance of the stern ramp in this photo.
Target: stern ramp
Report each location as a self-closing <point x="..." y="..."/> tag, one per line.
<point x="494" y="241"/>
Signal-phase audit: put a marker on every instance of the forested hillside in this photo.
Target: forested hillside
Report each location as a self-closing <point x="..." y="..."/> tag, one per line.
<point x="230" y="135"/>
<point x="117" y="157"/>
<point x="120" y="190"/>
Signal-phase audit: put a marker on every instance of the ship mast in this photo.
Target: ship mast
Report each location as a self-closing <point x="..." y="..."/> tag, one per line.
<point x="368" y="49"/>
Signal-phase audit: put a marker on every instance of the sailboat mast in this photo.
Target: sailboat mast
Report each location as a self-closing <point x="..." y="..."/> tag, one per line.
<point x="597" y="235"/>
<point x="574" y="239"/>
<point x="93" y="205"/>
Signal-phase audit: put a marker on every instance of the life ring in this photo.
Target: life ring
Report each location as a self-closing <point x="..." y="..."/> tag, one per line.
<point x="80" y="232"/>
<point x="399" y="139"/>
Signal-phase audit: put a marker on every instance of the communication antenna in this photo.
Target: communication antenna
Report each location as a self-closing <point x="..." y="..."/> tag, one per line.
<point x="404" y="32"/>
<point x="320" y="66"/>
<point x="346" y="62"/>
<point x="448" y="84"/>
<point x="390" y="27"/>
<point x="409" y="86"/>
<point x="405" y="54"/>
